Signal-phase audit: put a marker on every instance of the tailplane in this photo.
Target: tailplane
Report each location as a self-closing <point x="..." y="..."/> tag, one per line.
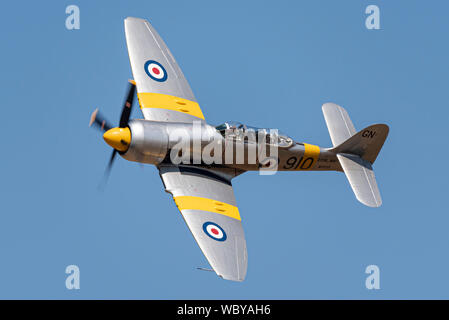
<point x="356" y="152"/>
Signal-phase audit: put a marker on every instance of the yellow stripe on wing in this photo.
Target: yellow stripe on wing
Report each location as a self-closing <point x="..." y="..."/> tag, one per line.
<point x="204" y="204"/>
<point x="165" y="101"/>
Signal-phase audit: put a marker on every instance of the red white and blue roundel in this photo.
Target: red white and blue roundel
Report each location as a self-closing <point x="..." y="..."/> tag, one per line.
<point x="155" y="71"/>
<point x="214" y="231"/>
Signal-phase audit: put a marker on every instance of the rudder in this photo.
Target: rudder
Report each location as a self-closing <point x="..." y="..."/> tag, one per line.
<point x="366" y="143"/>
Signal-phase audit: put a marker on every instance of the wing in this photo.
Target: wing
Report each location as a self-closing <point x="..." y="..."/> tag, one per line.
<point x="163" y="91"/>
<point x="206" y="200"/>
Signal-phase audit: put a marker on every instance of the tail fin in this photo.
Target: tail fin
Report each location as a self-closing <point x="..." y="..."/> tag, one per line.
<point x="356" y="152"/>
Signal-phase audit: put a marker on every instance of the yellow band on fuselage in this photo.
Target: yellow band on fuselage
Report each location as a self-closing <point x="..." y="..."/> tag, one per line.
<point x="310" y="158"/>
<point x="165" y="101"/>
<point x="204" y="204"/>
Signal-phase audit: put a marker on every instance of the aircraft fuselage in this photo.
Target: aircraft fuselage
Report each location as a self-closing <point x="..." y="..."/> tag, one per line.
<point x="198" y="143"/>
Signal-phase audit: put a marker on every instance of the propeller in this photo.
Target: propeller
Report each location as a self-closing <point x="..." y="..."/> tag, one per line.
<point x="99" y="121"/>
<point x="110" y="133"/>
<point x="126" y="111"/>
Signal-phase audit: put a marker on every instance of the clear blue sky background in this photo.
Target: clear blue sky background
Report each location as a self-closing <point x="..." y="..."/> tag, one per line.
<point x="265" y="63"/>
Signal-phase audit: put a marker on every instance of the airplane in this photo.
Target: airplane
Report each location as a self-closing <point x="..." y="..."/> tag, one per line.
<point x="202" y="190"/>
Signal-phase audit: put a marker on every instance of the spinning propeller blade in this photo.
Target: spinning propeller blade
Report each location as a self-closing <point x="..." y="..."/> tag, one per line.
<point x="126" y="111"/>
<point x="101" y="123"/>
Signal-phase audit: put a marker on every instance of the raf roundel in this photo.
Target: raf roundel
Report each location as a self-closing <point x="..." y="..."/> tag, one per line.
<point x="214" y="231"/>
<point x="155" y="71"/>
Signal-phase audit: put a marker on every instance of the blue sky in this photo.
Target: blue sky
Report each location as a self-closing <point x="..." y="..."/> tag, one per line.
<point x="265" y="63"/>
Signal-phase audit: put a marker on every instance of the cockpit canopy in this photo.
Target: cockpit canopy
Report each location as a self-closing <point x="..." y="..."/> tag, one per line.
<point x="239" y="131"/>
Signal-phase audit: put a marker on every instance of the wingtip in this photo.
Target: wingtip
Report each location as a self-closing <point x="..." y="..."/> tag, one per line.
<point x="130" y="19"/>
<point x="231" y="278"/>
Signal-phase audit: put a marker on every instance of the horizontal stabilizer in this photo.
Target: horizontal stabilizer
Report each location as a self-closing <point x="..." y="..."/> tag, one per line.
<point x="338" y="123"/>
<point x="361" y="177"/>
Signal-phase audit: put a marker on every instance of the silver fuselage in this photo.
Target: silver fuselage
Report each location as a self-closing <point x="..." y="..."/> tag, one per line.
<point x="155" y="142"/>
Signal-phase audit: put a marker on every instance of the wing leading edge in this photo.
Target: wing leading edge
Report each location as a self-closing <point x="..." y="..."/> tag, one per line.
<point x="206" y="201"/>
<point x="163" y="92"/>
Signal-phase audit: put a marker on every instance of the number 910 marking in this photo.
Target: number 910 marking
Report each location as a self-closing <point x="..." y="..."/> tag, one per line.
<point x="302" y="164"/>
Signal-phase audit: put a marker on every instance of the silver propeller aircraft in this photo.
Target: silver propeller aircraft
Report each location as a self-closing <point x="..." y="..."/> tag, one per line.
<point x="202" y="190"/>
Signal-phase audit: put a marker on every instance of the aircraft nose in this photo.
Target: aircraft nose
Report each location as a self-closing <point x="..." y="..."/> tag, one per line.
<point x="118" y="138"/>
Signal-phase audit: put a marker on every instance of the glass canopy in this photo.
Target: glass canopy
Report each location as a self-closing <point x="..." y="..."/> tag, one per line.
<point x="239" y="131"/>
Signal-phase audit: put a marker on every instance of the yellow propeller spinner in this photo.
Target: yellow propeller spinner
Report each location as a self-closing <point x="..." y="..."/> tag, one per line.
<point x="118" y="138"/>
